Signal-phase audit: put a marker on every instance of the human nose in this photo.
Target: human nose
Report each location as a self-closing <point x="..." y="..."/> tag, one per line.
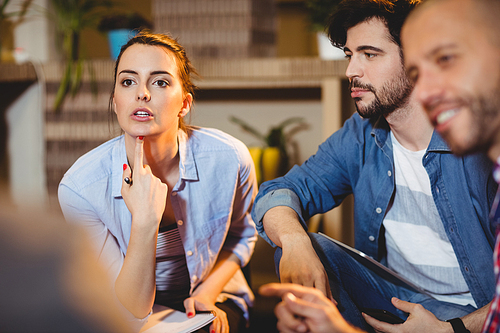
<point x="143" y="93"/>
<point x="354" y="69"/>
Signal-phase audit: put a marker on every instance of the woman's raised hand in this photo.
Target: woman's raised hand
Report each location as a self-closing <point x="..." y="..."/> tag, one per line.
<point x="144" y="194"/>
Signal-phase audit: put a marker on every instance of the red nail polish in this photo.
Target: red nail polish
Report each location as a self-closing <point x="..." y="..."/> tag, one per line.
<point x="141" y="138"/>
<point x="190" y="314"/>
<point x="124" y="167"/>
<point x="213" y="331"/>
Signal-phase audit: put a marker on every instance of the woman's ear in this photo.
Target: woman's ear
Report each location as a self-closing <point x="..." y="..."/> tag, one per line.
<point x="186" y="105"/>
<point x="114" y="105"/>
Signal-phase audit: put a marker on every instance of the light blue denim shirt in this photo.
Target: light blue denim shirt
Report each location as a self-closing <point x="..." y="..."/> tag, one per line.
<point x="358" y="159"/>
<point x="211" y="201"/>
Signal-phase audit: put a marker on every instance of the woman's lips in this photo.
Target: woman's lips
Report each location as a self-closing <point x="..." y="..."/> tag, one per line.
<point x="141" y="114"/>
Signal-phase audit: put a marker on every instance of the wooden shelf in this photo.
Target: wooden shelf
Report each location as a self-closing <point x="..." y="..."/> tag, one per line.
<point x="236" y="73"/>
<point x="11" y="72"/>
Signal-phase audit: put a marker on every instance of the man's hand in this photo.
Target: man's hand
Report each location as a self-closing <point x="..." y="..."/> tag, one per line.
<point x="299" y="264"/>
<point x="305" y="309"/>
<point x="419" y="320"/>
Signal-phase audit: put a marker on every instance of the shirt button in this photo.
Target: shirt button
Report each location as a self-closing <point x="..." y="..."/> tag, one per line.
<point x="180" y="222"/>
<point x="371" y="238"/>
<point x="437" y="189"/>
<point x="194" y="278"/>
<point x="389" y="173"/>
<point x="189" y="253"/>
<point x="174" y="194"/>
<point x="378" y="210"/>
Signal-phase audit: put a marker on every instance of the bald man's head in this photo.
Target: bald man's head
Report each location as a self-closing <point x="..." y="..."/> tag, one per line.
<point x="452" y="55"/>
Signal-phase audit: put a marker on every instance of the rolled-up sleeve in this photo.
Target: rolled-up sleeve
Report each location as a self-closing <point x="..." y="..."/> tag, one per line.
<point x="242" y="233"/>
<point x="274" y="198"/>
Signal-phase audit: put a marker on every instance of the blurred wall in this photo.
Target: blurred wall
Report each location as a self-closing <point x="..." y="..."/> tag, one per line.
<point x="262" y="115"/>
<point x="295" y="38"/>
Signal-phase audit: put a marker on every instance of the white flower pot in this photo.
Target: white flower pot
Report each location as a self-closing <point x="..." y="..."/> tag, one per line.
<point x="326" y="50"/>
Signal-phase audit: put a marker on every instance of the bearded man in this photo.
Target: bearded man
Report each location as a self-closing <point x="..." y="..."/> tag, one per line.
<point x="418" y="209"/>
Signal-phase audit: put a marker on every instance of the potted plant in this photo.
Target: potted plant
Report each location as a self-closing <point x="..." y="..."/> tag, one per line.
<point x="8" y="20"/>
<point x="120" y="28"/>
<point x="70" y="18"/>
<point x="272" y="158"/>
<point x="318" y="13"/>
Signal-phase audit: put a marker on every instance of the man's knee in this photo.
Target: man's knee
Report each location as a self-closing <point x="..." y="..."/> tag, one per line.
<point x="325" y="248"/>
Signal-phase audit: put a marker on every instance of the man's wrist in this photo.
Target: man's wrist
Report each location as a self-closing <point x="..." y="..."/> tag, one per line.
<point x="458" y="325"/>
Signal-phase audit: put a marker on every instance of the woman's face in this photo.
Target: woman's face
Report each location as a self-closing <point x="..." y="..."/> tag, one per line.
<point x="148" y="97"/>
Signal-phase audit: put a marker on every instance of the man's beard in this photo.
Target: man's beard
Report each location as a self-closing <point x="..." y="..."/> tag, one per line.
<point x="485" y="111"/>
<point x="392" y="96"/>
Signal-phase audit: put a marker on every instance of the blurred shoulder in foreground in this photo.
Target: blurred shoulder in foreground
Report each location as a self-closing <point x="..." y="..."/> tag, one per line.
<point x="49" y="279"/>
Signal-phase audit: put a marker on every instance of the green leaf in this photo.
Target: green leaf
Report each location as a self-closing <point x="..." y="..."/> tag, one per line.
<point x="319" y="11"/>
<point x="76" y="81"/>
<point x="290" y="121"/>
<point x="248" y="128"/>
<point x="63" y="88"/>
<point x="94" y="87"/>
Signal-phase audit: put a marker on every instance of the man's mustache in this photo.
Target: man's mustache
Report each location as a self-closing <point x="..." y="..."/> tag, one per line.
<point x="355" y="83"/>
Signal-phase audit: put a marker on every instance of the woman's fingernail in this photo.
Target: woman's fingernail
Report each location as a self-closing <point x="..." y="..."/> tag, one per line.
<point x="141" y="138"/>
<point x="124" y="167"/>
<point x="213" y="331"/>
<point x="190" y="314"/>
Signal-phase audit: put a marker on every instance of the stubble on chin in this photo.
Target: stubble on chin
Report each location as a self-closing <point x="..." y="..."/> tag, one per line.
<point x="393" y="95"/>
<point x="483" y="128"/>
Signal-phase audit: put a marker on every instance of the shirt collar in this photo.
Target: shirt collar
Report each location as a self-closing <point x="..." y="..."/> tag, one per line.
<point x="438" y="144"/>
<point x="187" y="162"/>
<point x="381" y="131"/>
<point x="118" y="159"/>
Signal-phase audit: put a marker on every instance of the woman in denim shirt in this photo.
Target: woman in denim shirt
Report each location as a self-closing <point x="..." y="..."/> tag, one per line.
<point x="167" y="206"/>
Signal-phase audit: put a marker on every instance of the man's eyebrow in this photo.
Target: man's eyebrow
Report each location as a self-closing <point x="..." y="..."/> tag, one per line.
<point x="440" y="48"/>
<point x="369" y="48"/>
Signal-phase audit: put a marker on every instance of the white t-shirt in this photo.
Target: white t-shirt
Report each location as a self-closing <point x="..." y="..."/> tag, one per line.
<point x="417" y="245"/>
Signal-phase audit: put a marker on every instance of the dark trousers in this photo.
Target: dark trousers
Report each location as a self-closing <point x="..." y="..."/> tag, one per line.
<point x="355" y="287"/>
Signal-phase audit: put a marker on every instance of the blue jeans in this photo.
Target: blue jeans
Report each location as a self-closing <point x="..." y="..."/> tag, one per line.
<point x="355" y="287"/>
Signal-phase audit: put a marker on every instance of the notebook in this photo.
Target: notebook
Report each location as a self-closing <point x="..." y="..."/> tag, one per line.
<point x="173" y="321"/>
<point x="376" y="267"/>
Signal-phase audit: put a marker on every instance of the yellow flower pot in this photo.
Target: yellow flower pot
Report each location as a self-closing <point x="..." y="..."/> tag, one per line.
<point x="267" y="162"/>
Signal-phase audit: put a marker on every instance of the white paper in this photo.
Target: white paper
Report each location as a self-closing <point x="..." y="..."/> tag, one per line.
<point x="173" y="321"/>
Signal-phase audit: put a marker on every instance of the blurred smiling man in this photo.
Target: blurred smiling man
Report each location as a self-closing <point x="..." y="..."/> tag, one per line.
<point x="452" y="55"/>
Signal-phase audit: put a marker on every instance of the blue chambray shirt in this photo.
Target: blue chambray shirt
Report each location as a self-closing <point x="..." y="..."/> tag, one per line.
<point x="358" y="159"/>
<point x="211" y="201"/>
